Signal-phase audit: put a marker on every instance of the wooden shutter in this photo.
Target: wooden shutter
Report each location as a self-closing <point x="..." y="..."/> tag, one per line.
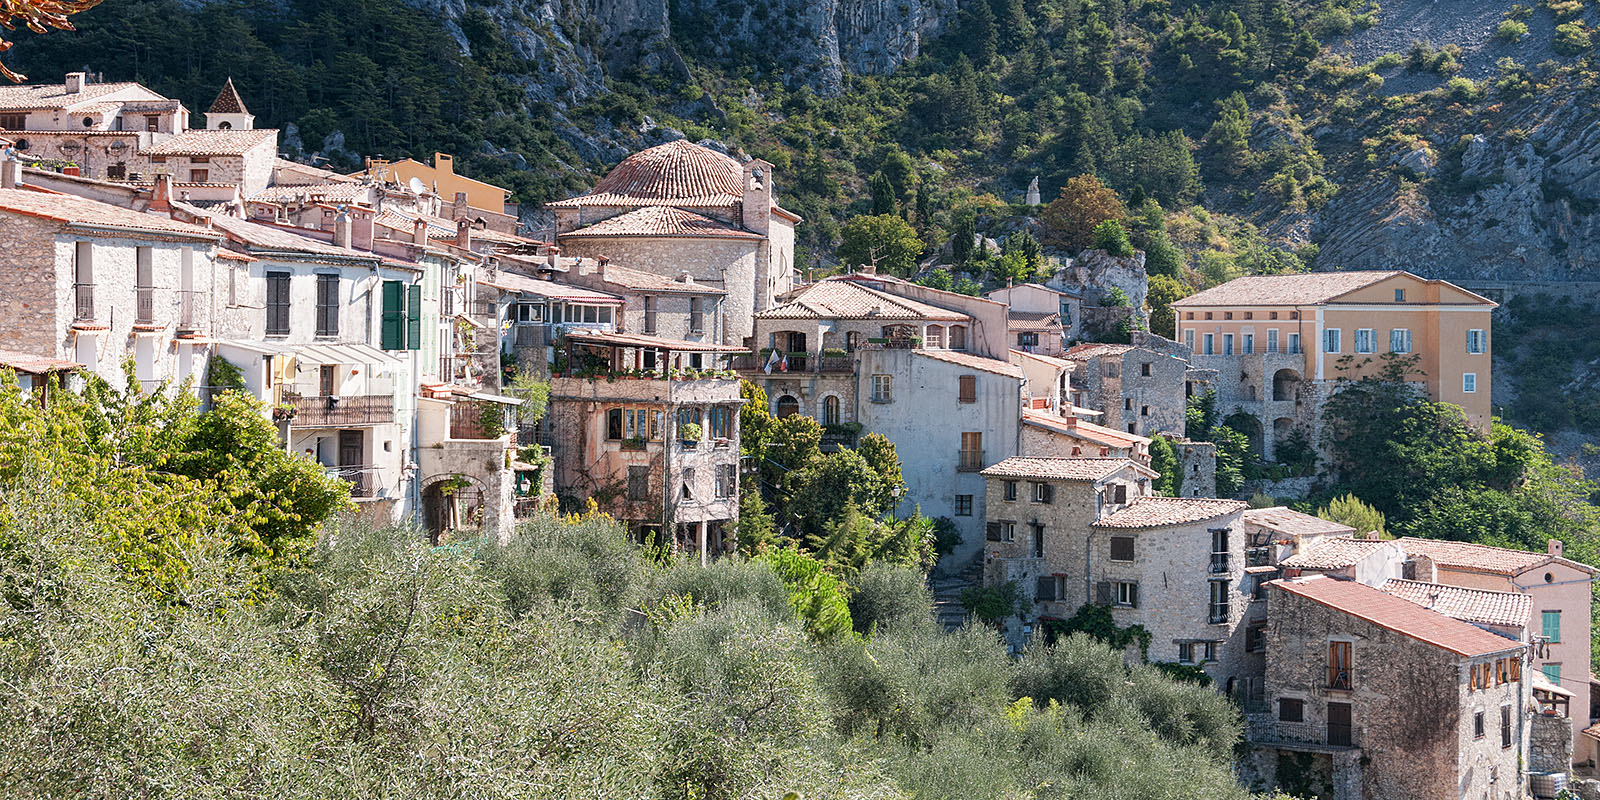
<point x="392" y="330"/>
<point x="1133" y="595"/>
<point x="1046" y="588"/>
<point x="1047" y="493"/>
<point x="1121" y="495"/>
<point x="969" y="388"/>
<point x="414" y="317"/>
<point x="992" y="531"/>
<point x="1102" y="593"/>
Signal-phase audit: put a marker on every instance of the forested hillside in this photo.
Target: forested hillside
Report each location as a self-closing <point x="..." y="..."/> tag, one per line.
<point x="1251" y="108"/>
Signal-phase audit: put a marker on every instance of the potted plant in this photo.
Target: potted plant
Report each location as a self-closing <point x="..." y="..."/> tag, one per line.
<point x="689" y="434"/>
<point x="633" y="443"/>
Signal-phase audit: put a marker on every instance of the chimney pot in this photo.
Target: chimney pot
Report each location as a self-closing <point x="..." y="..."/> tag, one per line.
<point x="75" y="81"/>
<point x="341" y="229"/>
<point x="161" y="196"/>
<point x="419" y="232"/>
<point x="10" y="174"/>
<point x="1554" y="547"/>
<point x="464" y="234"/>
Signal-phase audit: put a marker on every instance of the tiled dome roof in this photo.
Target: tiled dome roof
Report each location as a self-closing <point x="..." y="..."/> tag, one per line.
<point x="678" y="173"/>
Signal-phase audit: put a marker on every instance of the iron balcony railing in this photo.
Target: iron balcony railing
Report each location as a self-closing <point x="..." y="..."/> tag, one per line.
<point x="324" y="411"/>
<point x="359" y="476"/>
<point x="85" y="296"/>
<point x="1219" y="563"/>
<point x="970" y="461"/>
<point x="146" y="306"/>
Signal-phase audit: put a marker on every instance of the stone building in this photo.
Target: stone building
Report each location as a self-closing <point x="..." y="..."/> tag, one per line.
<point x="1279" y="343"/>
<point x="675" y="307"/>
<point x="1071" y="437"/>
<point x="1368" y="561"/>
<point x="1046" y="384"/>
<point x="1372" y="697"/>
<point x="102" y="128"/>
<point x="97" y="285"/>
<point x="654" y="446"/>
<point x="1137" y="389"/>
<point x="680" y="207"/>
<point x="1560" y="589"/>
<point x="867" y="353"/>
<point x="1197" y="462"/>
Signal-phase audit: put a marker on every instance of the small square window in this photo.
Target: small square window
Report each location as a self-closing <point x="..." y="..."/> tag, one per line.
<point x="1122" y="548"/>
<point x="1469" y="382"/>
<point x="1011" y="490"/>
<point x="1144" y="369"/>
<point x="1399" y="295"/>
<point x="963" y="505"/>
<point x="1291" y="710"/>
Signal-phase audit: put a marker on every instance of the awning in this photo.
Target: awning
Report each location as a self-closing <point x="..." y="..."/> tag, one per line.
<point x="650" y="342"/>
<point x="1541" y="683"/>
<point x="470" y="321"/>
<point x="1259" y="570"/>
<point x="35" y="365"/>
<point x="495" y="398"/>
<point x="259" y="348"/>
<point x="343" y="354"/>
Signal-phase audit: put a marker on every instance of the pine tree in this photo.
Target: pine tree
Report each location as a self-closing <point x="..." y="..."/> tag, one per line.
<point x="883" y="200"/>
<point x="961" y="238"/>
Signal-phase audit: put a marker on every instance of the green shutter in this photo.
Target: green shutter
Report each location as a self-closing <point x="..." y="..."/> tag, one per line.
<point x="414" y="317"/>
<point x="393" y="328"/>
<point x="1552" y="625"/>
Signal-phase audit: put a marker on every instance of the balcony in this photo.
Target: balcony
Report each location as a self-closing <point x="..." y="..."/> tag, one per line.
<point x="145" y="312"/>
<point x="350" y="411"/>
<point x="970" y="461"/>
<point x="357" y="476"/>
<point x="1220" y="563"/>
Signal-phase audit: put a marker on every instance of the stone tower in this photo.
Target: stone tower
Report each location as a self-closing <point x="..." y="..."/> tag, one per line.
<point x="227" y="112"/>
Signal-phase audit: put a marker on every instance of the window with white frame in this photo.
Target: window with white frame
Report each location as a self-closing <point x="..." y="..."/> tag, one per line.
<point x="1210" y="339"/>
<point x="1469" y="382"/>
<point x="882" y="388"/>
<point x="1294" y="344"/>
<point x="1247" y="345"/>
<point x="1188" y="339"/>
<point x="1364" y="341"/>
<point x="1330" y="340"/>
<point x="1126" y="594"/>
<point x="1400" y="340"/>
<point x="1477" y="341"/>
<point x="1272" y="340"/>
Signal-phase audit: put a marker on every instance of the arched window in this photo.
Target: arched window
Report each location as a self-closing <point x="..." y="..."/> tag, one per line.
<point x="222" y="126"/>
<point x="830" y="410"/>
<point x="787" y="406"/>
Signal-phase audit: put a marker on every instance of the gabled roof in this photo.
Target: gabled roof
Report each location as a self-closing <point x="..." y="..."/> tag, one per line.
<point x="1080" y="429"/>
<point x="1307" y="289"/>
<point x="1163" y="512"/>
<point x="1088" y="350"/>
<point x="1059" y="469"/>
<point x="75" y="210"/>
<point x="1030" y="285"/>
<point x="228" y="101"/>
<point x="844" y="299"/>
<point x="973" y="361"/>
<point x="1392" y="613"/>
<point x="1482" y="557"/>
<point x="1033" y="320"/>
<point x="1336" y="553"/>
<point x="515" y="282"/>
<point x="1293" y="523"/>
<point x="661" y="221"/>
<point x="677" y="173"/>
<point x="1058" y="363"/>
<point x="212" y="142"/>
<point x="1478" y="606"/>
<point x="259" y="237"/>
<point x="54" y="96"/>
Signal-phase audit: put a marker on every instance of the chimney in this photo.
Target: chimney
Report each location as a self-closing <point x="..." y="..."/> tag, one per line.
<point x="75" y="82"/>
<point x="10" y="174"/>
<point x="868" y="269"/>
<point x="1554" y="548"/>
<point x="757" y="210"/>
<point x="460" y="206"/>
<point x="419" y="232"/>
<point x="602" y="261"/>
<point x="341" y="229"/>
<point x="464" y="233"/>
<point x="361" y="231"/>
<point x="161" y="197"/>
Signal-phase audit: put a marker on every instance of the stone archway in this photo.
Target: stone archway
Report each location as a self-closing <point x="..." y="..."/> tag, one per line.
<point x="1285" y="384"/>
<point x="786" y="406"/>
<point x="451" y="502"/>
<point x="1248" y="425"/>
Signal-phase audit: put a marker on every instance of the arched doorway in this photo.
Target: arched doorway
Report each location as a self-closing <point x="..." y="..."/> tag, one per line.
<point x="1285" y="384"/>
<point x="787" y="406"/>
<point x="451" y="503"/>
<point x="830" y="410"/>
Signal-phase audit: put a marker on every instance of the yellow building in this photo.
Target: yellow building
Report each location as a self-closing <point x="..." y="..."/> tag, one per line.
<point x="441" y="179"/>
<point x="1278" y="342"/>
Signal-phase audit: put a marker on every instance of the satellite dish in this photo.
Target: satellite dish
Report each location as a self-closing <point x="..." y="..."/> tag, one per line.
<point x="417" y="186"/>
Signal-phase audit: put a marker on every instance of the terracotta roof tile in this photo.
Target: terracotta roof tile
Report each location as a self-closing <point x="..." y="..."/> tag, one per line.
<point x="1392" y="613"/>
<point x="72" y="209"/>
<point x="1336" y="553"/>
<point x="262" y="237"/>
<point x="1479" y="606"/>
<point x="1033" y="320"/>
<point x="1309" y="288"/>
<point x="1059" y="363"/>
<point x="973" y="361"/>
<point x="320" y="192"/>
<point x="662" y="221"/>
<point x="1081" y="429"/>
<point x="1088" y="350"/>
<point x="52" y="96"/>
<point x="639" y="280"/>
<point x="1294" y="523"/>
<point x="212" y="143"/>
<point x="228" y="101"/>
<point x="1061" y="469"/>
<point x="1161" y="512"/>
<point x="844" y="299"/>
<point x="35" y="364"/>
<point x="1480" y="557"/>
<point x="678" y="173"/>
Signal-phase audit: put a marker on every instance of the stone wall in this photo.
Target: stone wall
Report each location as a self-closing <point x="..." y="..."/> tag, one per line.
<point x="728" y="264"/>
<point x="1198" y="462"/>
<point x="1549" y="743"/>
<point x="30" y="280"/>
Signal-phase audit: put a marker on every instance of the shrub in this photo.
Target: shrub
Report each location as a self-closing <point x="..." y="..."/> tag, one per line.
<point x="1511" y="30"/>
<point x="1571" y="38"/>
<point x="1111" y="237"/>
<point x="886" y="595"/>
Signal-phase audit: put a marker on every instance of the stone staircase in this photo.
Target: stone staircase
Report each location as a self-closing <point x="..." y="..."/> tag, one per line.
<point x="947" y="588"/>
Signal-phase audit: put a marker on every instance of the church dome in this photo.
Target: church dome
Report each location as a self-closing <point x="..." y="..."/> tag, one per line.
<point x="675" y="173"/>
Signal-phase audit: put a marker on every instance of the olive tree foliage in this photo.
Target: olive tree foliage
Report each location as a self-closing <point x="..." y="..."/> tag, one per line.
<point x="562" y="662"/>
